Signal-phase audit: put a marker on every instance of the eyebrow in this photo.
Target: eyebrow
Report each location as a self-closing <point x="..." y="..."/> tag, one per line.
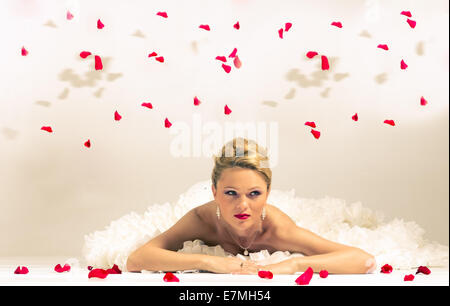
<point x="248" y="189"/>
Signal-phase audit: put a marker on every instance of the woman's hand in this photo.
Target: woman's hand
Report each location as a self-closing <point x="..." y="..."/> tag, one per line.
<point x="284" y="267"/>
<point x="231" y="265"/>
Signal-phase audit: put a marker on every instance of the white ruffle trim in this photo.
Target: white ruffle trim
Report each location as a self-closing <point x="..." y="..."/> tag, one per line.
<point x="399" y="243"/>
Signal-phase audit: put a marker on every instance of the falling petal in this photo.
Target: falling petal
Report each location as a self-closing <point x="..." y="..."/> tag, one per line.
<point x="315" y="133"/>
<point x="355" y="117"/>
<point x="87" y="144"/>
<point x="98" y="63"/>
<point x="117" y="116"/>
<point x="390" y="122"/>
<point x="411" y="23"/>
<point x="280" y="33"/>
<point x="403" y="65"/>
<point x="160" y="59"/>
<point x="311" y="54"/>
<point x="221" y="58"/>
<point x="310" y="123"/>
<point x="337" y="24"/>
<point x="237" y="62"/>
<point x="148" y="105"/>
<point x="305" y="278"/>
<point x="196" y="101"/>
<point x="384" y="47"/>
<point x="237" y="26"/>
<point x="226" y="68"/>
<point x="233" y="54"/>
<point x="85" y="54"/>
<point x="24" y="51"/>
<point x="152" y="54"/>
<point x="162" y="14"/>
<point x="325" y="64"/>
<point x="227" y="110"/>
<point x="204" y="27"/>
<point x="167" y="123"/>
<point x="69" y="15"/>
<point x="47" y="128"/>
<point x="100" y="25"/>
<point x="406" y="13"/>
<point x="287" y="26"/>
<point x="423" y="102"/>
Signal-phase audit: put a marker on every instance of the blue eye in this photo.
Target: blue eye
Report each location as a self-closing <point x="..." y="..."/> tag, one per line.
<point x="228" y="192"/>
<point x="257" y="193"/>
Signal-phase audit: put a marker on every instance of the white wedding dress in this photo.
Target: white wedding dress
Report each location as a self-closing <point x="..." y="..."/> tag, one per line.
<point x="397" y="242"/>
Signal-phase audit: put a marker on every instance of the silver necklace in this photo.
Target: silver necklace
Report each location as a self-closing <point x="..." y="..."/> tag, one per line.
<point x="245" y="249"/>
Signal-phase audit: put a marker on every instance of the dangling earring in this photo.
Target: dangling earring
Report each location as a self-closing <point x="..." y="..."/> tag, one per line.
<point x="218" y="212"/>
<point x="263" y="215"/>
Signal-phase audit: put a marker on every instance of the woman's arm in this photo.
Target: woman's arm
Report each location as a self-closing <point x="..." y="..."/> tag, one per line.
<point x="320" y="253"/>
<point x="159" y="253"/>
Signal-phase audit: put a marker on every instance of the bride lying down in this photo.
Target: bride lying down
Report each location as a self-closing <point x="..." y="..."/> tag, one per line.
<point x="238" y="231"/>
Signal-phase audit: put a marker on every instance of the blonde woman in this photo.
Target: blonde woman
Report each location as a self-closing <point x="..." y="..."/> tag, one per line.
<point x="240" y="220"/>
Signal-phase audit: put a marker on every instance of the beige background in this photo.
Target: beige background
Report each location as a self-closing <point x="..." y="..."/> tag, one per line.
<point x="53" y="190"/>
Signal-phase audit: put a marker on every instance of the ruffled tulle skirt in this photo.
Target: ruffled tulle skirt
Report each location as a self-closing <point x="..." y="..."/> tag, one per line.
<point x="397" y="242"/>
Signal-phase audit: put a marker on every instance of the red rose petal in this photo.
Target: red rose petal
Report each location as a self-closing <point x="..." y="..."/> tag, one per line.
<point x="325" y="64"/>
<point x="167" y="123"/>
<point x="311" y="54"/>
<point x="117" y="116"/>
<point x="221" y="58"/>
<point x="287" y="26"/>
<point x="24" y="51"/>
<point x="160" y="59"/>
<point x="69" y="15"/>
<point x="152" y="54"/>
<point x="19" y="270"/>
<point x="355" y="117"/>
<point x="227" y="110"/>
<point x="315" y="133"/>
<point x="162" y="14"/>
<point x="226" y="68"/>
<point x="406" y="13"/>
<point x="337" y="24"/>
<point x="411" y="23"/>
<point x="60" y="269"/>
<point x="87" y="144"/>
<point x="47" y="128"/>
<point x="423" y="269"/>
<point x="408" y="277"/>
<point x="310" y="123"/>
<point x="323" y="274"/>
<point x="85" y="54"/>
<point x="148" y="105"/>
<point x="98" y="63"/>
<point x="385" y="47"/>
<point x="423" y="102"/>
<point x="99" y="273"/>
<point x="204" y="27"/>
<point x="265" y="274"/>
<point x="390" y="122"/>
<point x="100" y="25"/>
<point x="386" y="269"/>
<point x="196" y="101"/>
<point x="237" y="26"/>
<point x="90" y="268"/>
<point x="114" y="270"/>
<point x="237" y="62"/>
<point x="170" y="277"/>
<point x="403" y="65"/>
<point x="280" y="33"/>
<point x="305" y="278"/>
<point x="233" y="54"/>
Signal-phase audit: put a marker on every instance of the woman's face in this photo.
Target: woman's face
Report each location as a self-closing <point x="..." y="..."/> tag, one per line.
<point x="241" y="195"/>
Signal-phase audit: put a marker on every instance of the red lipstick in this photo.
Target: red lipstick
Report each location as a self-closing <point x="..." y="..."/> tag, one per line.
<point x="242" y="216"/>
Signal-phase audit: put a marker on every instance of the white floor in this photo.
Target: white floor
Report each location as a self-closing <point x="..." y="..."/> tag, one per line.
<point x="41" y="273"/>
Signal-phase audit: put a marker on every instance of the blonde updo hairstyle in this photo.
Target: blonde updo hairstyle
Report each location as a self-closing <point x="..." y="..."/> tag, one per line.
<point x="243" y="153"/>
